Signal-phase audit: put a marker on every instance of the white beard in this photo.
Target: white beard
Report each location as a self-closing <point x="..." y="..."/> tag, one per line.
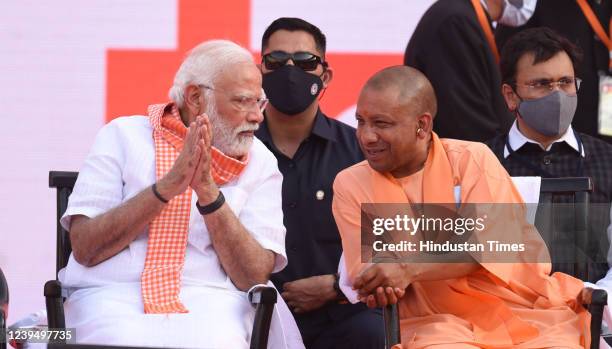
<point x="227" y="139"/>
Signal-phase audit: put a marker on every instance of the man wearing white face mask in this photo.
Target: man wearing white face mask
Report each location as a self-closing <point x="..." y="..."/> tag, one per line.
<point x="453" y="45"/>
<point x="541" y="88"/>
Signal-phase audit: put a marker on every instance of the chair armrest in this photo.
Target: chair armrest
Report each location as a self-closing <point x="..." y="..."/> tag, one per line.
<point x="55" y="304"/>
<point x="261" y="294"/>
<point x="595" y="300"/>
<point x="392" y="325"/>
<point x="263" y="298"/>
<point x="599" y="297"/>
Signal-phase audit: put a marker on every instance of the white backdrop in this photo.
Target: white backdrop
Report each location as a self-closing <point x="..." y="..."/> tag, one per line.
<point x="53" y="96"/>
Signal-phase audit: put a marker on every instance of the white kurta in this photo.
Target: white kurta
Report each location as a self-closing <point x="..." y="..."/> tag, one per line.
<point x="105" y="302"/>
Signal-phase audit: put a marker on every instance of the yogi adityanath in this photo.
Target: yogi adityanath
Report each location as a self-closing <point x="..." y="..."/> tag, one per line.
<point x="444" y="305"/>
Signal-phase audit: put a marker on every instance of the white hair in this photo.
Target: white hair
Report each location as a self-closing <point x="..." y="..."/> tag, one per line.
<point x="204" y="63"/>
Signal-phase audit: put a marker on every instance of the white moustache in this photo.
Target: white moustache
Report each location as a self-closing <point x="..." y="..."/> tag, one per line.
<point x="247" y="128"/>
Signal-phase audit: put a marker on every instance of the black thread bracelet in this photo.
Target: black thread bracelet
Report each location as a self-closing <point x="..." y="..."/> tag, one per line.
<point x="213" y="206"/>
<point x="157" y="194"/>
<point x="339" y="294"/>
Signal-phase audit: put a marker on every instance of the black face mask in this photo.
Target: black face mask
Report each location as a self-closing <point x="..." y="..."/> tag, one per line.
<point x="290" y="89"/>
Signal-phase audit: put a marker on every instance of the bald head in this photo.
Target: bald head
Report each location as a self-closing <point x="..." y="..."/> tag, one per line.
<point x="413" y="89"/>
<point x="394" y="116"/>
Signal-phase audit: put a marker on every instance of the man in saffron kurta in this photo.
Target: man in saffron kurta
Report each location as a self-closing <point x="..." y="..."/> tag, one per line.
<point x="458" y="305"/>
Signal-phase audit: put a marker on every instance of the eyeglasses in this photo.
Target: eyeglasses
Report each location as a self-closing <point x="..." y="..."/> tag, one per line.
<point x="545" y="85"/>
<point x="243" y="103"/>
<point x="304" y="60"/>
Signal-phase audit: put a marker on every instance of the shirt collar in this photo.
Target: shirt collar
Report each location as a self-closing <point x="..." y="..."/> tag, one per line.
<point x="517" y="140"/>
<point x="321" y="128"/>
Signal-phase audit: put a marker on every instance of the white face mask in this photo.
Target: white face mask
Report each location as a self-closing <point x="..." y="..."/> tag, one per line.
<point x="517" y="12"/>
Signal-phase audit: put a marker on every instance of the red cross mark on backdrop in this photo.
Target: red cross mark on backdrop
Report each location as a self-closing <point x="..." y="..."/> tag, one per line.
<point x="137" y="78"/>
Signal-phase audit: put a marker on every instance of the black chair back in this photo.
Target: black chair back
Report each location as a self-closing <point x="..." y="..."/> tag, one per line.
<point x="565" y="225"/>
<point x="63" y="182"/>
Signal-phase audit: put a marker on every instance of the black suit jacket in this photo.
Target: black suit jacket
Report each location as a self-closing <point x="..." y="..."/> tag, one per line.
<point x="450" y="48"/>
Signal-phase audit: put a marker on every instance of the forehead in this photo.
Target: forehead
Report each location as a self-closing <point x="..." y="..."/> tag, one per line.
<point x="291" y="42"/>
<point x="379" y="102"/>
<point x="557" y="66"/>
<point x="240" y="77"/>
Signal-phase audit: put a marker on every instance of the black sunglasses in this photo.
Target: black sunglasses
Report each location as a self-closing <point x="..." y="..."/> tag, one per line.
<point x="304" y="60"/>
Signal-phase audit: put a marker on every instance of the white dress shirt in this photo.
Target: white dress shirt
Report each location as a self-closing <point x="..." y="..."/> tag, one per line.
<point x="517" y="140"/>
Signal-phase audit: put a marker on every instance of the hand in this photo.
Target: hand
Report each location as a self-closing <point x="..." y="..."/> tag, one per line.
<point x="177" y="180"/>
<point x="395" y="275"/>
<point x="203" y="182"/>
<point x="383" y="296"/>
<point x="308" y="294"/>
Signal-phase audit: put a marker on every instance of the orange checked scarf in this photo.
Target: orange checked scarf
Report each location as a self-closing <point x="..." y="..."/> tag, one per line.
<point x="161" y="277"/>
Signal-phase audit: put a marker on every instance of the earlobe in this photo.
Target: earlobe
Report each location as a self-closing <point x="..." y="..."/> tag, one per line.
<point x="327" y="76"/>
<point x="424" y="122"/>
<point x="510" y="97"/>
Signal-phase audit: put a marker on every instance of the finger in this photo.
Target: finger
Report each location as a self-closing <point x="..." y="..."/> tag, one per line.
<point x="204" y="154"/>
<point x="359" y="281"/>
<point x="206" y="122"/>
<point x="194" y="163"/>
<point x="381" y="297"/>
<point x="207" y="132"/>
<point x="365" y="276"/>
<point x="298" y="310"/>
<point x="207" y="135"/>
<point x="198" y="133"/>
<point x="190" y="131"/>
<point x="187" y="139"/>
<point x="399" y="293"/>
<point x="202" y="123"/>
<point x="287" y="286"/>
<point x="371" y="302"/>
<point x="372" y="284"/>
<point x="203" y="168"/>
<point x="287" y="296"/>
<point x="390" y="295"/>
<point x="191" y="138"/>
